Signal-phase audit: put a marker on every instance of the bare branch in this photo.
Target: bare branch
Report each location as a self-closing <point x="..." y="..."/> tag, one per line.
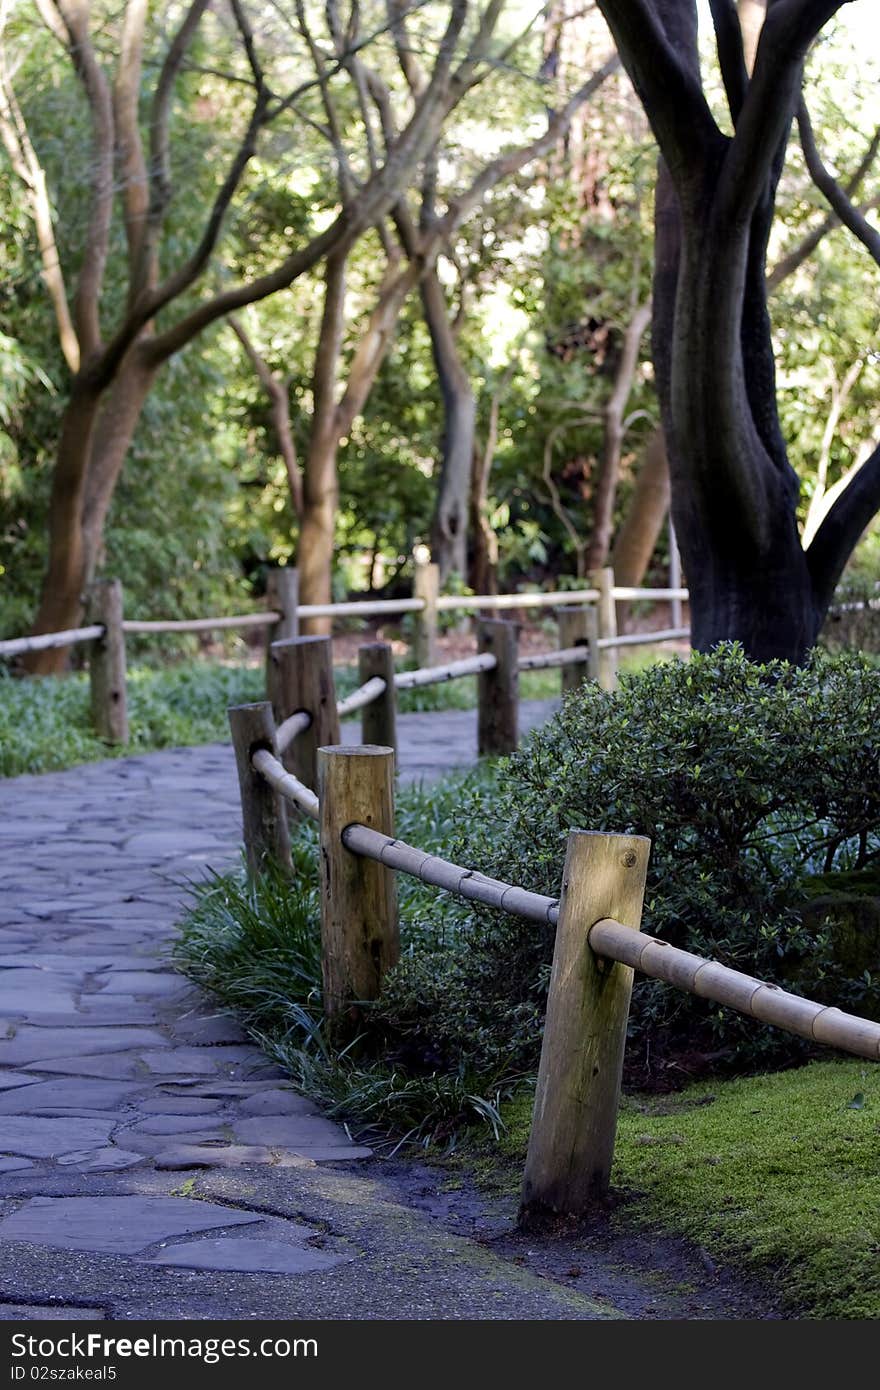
<point x="839" y="533"/>
<point x="279" y="409"/>
<point x="731" y="58"/>
<point x="821" y="500"/>
<point x="15" y="136"/>
<point x="805" y="248"/>
<point x="74" y="15"/>
<point x="347" y="182"/>
<point x="849" y="215"/>
<point x="129" y="147"/>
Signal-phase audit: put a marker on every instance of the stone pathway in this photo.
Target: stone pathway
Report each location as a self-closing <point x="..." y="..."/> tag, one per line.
<point x="142" y="1139"/>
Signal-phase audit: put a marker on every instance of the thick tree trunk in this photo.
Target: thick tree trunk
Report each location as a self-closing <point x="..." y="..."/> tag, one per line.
<point x="450" y="525"/>
<point x="96" y="433"/>
<point x="317" y="528"/>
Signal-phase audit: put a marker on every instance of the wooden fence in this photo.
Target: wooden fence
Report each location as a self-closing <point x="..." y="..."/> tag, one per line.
<point x="289" y="757"/>
<point x="587" y="619"/>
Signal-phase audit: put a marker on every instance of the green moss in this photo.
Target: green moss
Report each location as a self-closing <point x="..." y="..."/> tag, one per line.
<point x="777" y="1173"/>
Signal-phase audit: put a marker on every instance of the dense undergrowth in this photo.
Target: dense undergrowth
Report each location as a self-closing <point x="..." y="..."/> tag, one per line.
<point x="45" y="723"/>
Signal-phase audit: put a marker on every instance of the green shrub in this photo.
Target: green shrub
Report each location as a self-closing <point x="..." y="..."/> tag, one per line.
<point x="750" y="780"/>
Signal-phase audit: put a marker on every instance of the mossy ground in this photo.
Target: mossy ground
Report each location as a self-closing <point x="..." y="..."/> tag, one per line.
<point x="777" y="1173"/>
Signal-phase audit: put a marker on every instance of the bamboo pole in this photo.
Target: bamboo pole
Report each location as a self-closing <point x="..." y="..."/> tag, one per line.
<point x="45" y="641"/>
<point x="379" y="718"/>
<point x="436" y="675"/>
<point x="709" y="980"/>
<point x="360" y="939"/>
<point x="571" y="1144"/>
<point x="301" y="678"/>
<point x="199" y="624"/>
<point x="107" y="690"/>
<point x="498" y="689"/>
<point x="263" y="813"/>
<point x="365" y="694"/>
<point x="426" y="588"/>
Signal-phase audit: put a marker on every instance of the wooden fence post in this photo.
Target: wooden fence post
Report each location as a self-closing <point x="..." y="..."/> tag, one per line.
<point x="571" y="1145"/>
<point x="282" y="596"/>
<point x="301" y="678"/>
<point x="379" y="717"/>
<point x="360" y="939"/>
<point x="498" y="689"/>
<point x="579" y="627"/>
<point x="426" y="585"/>
<point x="107" y="661"/>
<point x="603" y="580"/>
<point x="263" y="810"/>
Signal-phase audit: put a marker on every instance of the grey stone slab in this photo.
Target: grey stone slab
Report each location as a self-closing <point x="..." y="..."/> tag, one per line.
<point x="203" y="1032"/>
<point x="167" y="844"/>
<point x="33" y="1136"/>
<point x="172" y="1124"/>
<point x="289" y="1131"/>
<point x="14" y="1165"/>
<point x="10" y="1080"/>
<point x="37" y="1044"/>
<point x="182" y="1156"/>
<point x="109" y="1160"/>
<point x="48" y="1097"/>
<point x="126" y="1225"/>
<point x="138" y="983"/>
<point x="115" y="1066"/>
<point x="188" y="1061"/>
<point x="249" y="1256"/>
<point x="150" y="1145"/>
<point x="156" y="1104"/>
<point x="276" y="1101"/>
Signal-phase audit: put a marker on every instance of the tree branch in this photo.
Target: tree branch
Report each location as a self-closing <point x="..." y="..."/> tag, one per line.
<point x="662" y="60"/>
<point x="129" y="147"/>
<point x="851" y="217"/>
<point x="74" y="14"/>
<point x="23" y="157"/>
<point x="279" y="410"/>
<point x="839" y="533"/>
<point x="731" y="57"/>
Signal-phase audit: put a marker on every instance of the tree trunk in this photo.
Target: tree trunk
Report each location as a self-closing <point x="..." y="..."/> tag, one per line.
<point x="317" y="528"/>
<point x="96" y="433"/>
<point x="450" y="526"/>
<point x="640" y="529"/>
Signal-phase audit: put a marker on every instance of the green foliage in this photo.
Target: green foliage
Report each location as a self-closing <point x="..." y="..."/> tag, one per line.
<point x="45" y="724"/>
<point x="748" y="780"/>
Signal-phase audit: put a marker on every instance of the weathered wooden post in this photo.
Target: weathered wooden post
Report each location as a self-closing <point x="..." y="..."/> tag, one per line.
<point x="603" y="580"/>
<point x="426" y="586"/>
<point x="498" y="689"/>
<point x="579" y="627"/>
<point x="379" y="717"/>
<point x="107" y="661"/>
<point x="282" y="597"/>
<point x="301" y="678"/>
<point x="263" y="810"/>
<point x="360" y="939"/>
<point x="571" y="1145"/>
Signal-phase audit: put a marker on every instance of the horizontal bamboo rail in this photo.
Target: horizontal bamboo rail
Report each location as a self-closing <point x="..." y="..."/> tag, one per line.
<point x="706" y="978"/>
<point x="364" y="695"/>
<point x="467" y="883"/>
<point x="45" y="641"/>
<point x="435" y="675"/>
<point x="644" y="639"/>
<point x="262" y="619"/>
<point x="289" y="786"/>
<point x="288" y="731"/>
<point x="620" y="592"/>
<point x="545" y="661"/>
<point x="452" y="603"/>
<point x="360" y="608"/>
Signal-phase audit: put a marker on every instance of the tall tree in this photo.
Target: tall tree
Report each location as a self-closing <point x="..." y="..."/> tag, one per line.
<point x="113" y="368"/>
<point x="734" y="491"/>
